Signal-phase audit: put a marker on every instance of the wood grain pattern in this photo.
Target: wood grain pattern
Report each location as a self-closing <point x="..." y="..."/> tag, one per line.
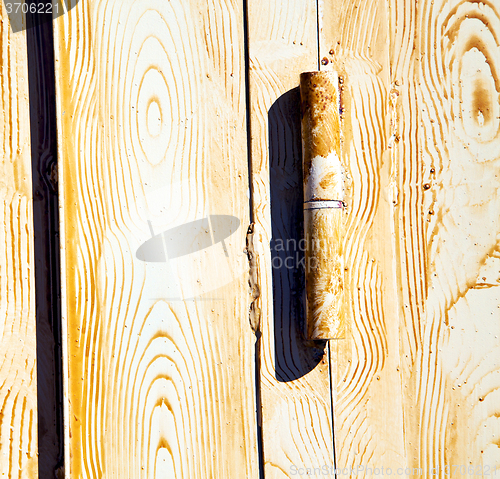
<point x="296" y="408"/>
<point x="420" y="386"/>
<point x="368" y="412"/>
<point x="160" y="356"/>
<point x="445" y="57"/>
<point x="18" y="394"/>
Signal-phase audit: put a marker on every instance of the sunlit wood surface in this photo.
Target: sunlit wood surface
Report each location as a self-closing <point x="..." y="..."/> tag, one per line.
<point x="416" y="386"/>
<point x="365" y="366"/>
<point x="445" y="57"/>
<point x="18" y="394"/>
<point x="160" y="355"/>
<point x="179" y="368"/>
<point x="296" y="407"/>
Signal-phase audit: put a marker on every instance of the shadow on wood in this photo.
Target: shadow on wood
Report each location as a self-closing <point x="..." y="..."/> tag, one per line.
<point x="294" y="356"/>
<point x="46" y="244"/>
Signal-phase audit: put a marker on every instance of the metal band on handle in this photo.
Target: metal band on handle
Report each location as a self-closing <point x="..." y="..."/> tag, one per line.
<point x="320" y="205"/>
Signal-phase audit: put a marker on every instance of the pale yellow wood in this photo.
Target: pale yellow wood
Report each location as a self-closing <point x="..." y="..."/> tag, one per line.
<point x="445" y="57"/>
<point x="18" y="394"/>
<point x="417" y="386"/>
<point x="295" y="397"/>
<point x="151" y="109"/>
<point x="368" y="413"/>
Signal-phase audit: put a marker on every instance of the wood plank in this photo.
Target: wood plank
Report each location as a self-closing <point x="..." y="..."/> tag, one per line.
<point x="368" y="412"/>
<point x="18" y="391"/>
<point x="294" y="381"/>
<point x="160" y="355"/>
<point x="445" y="57"/>
<point x="434" y="119"/>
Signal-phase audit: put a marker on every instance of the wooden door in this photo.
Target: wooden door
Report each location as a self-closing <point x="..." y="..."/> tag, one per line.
<point x="182" y="288"/>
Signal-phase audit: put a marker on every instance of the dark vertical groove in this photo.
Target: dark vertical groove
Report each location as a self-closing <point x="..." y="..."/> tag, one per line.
<point x="260" y="439"/>
<point x="257" y="352"/>
<point x="248" y="106"/>
<point x="330" y="375"/>
<point x="41" y="75"/>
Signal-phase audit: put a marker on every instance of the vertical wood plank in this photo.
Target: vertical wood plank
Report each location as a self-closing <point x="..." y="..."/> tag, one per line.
<point x="294" y="382"/>
<point x="445" y="58"/>
<point x="368" y="411"/>
<point x="421" y="95"/>
<point x="18" y="394"/>
<point x="159" y="354"/>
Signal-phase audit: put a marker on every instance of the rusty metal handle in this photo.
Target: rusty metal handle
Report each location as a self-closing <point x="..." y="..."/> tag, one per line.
<point x="323" y="205"/>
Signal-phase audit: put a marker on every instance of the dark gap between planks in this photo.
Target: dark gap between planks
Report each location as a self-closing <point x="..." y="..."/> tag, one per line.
<point x="41" y="77"/>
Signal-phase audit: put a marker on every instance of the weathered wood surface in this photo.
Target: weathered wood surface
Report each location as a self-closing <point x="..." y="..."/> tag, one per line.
<point x="366" y="380"/>
<point x="18" y="394"/>
<point x="294" y="381"/>
<point x="151" y="108"/>
<point x="152" y="135"/>
<point x="445" y="57"/>
<point x="417" y="385"/>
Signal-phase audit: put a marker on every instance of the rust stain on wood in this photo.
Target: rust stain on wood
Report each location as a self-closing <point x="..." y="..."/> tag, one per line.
<point x="321" y="131"/>
<point x="323" y="228"/>
<point x="324" y="267"/>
